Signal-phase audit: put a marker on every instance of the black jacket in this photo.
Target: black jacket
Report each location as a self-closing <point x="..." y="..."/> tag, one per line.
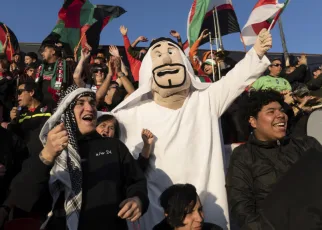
<point x="13" y="152"/>
<point x="28" y="126"/>
<point x="315" y="83"/>
<point x="299" y="75"/>
<point x="7" y="96"/>
<point x="110" y="175"/>
<point x="254" y="169"/>
<point x="295" y="203"/>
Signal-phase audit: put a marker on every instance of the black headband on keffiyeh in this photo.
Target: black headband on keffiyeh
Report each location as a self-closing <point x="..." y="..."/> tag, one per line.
<point x="66" y="174"/>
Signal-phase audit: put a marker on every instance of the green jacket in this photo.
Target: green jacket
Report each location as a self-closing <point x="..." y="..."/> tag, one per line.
<point x="268" y="82"/>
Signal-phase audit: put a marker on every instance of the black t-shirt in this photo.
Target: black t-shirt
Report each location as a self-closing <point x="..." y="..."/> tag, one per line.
<point x="104" y="107"/>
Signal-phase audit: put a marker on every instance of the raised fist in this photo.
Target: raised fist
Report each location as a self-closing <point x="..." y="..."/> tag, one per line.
<point x="263" y="42"/>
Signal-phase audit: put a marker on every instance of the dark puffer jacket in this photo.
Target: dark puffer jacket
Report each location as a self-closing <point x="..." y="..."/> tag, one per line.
<point x="254" y="169"/>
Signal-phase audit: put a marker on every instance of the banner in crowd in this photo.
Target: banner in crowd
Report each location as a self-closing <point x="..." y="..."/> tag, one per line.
<point x="81" y="22"/>
<point x="201" y="18"/>
<point x="12" y="44"/>
<point x="265" y="13"/>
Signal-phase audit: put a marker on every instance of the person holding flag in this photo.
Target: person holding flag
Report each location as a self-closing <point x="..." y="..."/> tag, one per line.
<point x="183" y="114"/>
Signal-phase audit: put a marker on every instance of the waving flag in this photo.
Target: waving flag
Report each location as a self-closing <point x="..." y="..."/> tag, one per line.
<point x="80" y="20"/>
<point x="201" y="17"/>
<point x="265" y="13"/>
<point x="13" y="45"/>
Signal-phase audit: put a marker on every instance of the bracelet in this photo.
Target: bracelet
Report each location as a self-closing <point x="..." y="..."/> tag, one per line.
<point x="121" y="75"/>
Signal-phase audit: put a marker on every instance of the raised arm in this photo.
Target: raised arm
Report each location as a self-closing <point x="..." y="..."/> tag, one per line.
<point x="148" y="140"/>
<point x="138" y="40"/>
<point x="127" y="45"/>
<point x="226" y="90"/>
<point x="5" y="45"/>
<point x="101" y="92"/>
<point x="85" y="54"/>
<point x="121" y="71"/>
<point x="176" y="35"/>
<point x="122" y="75"/>
<point x="194" y="49"/>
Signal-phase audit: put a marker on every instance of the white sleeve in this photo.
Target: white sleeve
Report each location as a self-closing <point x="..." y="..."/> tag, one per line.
<point x="226" y="90"/>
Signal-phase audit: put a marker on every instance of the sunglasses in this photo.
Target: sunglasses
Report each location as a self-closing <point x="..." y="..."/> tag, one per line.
<point x="98" y="70"/>
<point x="276" y="65"/>
<point x="113" y="87"/>
<point x="304" y="95"/>
<point x="20" y="91"/>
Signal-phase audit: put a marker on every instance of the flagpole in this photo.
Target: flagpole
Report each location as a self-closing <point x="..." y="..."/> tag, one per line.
<point x="212" y="57"/>
<point x="80" y="40"/>
<point x="214" y="12"/>
<point x="215" y="27"/>
<point x="219" y="33"/>
<point x="280" y="24"/>
<point x="242" y="39"/>
<point x="271" y="25"/>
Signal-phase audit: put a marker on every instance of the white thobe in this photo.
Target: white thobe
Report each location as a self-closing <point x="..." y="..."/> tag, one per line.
<point x="188" y="146"/>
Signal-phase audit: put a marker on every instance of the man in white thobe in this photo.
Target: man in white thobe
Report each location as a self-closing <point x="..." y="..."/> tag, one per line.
<point x="183" y="114"/>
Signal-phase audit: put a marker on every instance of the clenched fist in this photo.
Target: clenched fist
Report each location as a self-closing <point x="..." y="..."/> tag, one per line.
<point x="263" y="42"/>
<point x="131" y="209"/>
<point x="14" y="113"/>
<point x="147" y="137"/>
<point x="57" y="141"/>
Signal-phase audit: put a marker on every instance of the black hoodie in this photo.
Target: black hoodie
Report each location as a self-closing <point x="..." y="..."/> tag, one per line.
<point x="110" y="175"/>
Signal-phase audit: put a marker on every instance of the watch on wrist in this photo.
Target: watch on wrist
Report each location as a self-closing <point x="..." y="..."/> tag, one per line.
<point x="119" y="75"/>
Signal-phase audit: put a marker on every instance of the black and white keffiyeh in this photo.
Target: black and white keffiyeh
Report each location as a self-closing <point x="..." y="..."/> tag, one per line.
<point x="66" y="174"/>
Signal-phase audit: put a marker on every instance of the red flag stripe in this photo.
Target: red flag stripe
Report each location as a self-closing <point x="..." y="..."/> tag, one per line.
<point x="265" y="2"/>
<point x="71" y="14"/>
<point x="83" y="36"/>
<point x="259" y="26"/>
<point x="193" y="10"/>
<point x="106" y="21"/>
<point x="3" y="34"/>
<point x="185" y="45"/>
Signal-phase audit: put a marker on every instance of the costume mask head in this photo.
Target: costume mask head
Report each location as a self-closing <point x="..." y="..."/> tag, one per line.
<point x="168" y="69"/>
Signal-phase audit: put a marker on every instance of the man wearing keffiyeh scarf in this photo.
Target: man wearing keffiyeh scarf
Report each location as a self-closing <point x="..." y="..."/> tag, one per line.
<point x="94" y="181"/>
<point x="66" y="173"/>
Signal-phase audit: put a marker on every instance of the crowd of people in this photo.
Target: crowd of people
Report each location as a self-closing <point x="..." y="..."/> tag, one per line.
<point x="91" y="143"/>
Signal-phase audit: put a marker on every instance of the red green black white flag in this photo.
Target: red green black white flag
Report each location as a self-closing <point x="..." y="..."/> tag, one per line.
<point x="13" y="46"/>
<point x="263" y="15"/>
<point x="201" y="18"/>
<point x="81" y="20"/>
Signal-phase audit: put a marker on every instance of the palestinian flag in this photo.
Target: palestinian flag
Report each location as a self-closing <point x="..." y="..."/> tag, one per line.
<point x="80" y="20"/>
<point x="264" y="15"/>
<point x="201" y="18"/>
<point x="13" y="45"/>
